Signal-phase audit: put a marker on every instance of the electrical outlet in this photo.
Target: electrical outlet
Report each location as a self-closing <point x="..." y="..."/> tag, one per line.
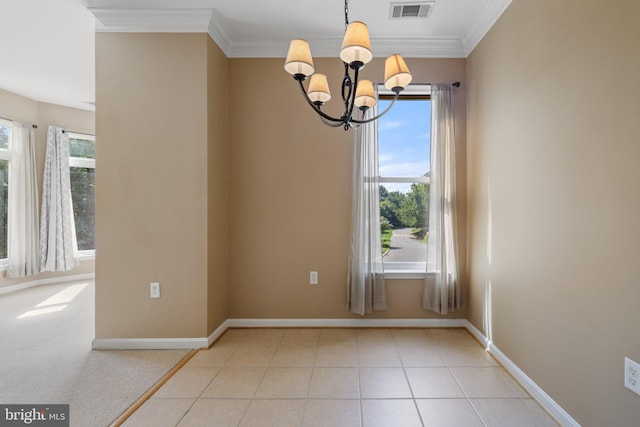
<point x="313" y="277"/>
<point x="632" y="375"/>
<point x="154" y="289"/>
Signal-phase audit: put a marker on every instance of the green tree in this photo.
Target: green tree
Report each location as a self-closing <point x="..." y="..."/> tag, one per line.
<point x="390" y="207"/>
<point x="414" y="209"/>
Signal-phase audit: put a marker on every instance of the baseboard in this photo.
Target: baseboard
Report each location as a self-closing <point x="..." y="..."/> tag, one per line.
<point x="217" y="333"/>
<point x="346" y="323"/>
<point x="47" y="281"/>
<point x="148" y="343"/>
<point x="527" y="383"/>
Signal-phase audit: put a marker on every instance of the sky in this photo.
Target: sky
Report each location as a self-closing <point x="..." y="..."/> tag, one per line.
<point x="403" y="140"/>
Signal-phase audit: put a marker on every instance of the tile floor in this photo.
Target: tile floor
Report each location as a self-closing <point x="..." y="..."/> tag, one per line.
<point x="342" y="377"/>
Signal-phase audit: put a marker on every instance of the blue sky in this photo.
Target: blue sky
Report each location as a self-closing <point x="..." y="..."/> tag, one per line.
<point x="403" y="140"/>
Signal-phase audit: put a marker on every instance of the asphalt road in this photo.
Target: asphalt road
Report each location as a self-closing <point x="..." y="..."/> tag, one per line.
<point x="405" y="247"/>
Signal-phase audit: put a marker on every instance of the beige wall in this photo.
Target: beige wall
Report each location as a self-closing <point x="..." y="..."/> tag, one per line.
<point x="151" y="220"/>
<point x="26" y="110"/>
<point x="218" y="186"/>
<point x="290" y="193"/>
<point x="554" y="199"/>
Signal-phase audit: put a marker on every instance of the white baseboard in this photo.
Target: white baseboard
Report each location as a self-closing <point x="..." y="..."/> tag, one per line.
<point x="347" y="323"/>
<point x="527" y="383"/>
<point x="48" y="281"/>
<point x="217" y="333"/>
<point x="148" y="343"/>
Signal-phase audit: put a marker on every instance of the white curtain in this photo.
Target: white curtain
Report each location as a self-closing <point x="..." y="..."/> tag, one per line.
<point x="57" y="229"/>
<point x="442" y="285"/>
<point x="366" y="288"/>
<point x="23" y="204"/>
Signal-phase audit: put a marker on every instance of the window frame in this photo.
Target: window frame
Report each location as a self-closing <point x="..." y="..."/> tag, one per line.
<point x="405" y="270"/>
<point x="82" y="162"/>
<point x="7" y="154"/>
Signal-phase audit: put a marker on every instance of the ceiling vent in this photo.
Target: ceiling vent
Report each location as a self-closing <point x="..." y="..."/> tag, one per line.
<point x="420" y="10"/>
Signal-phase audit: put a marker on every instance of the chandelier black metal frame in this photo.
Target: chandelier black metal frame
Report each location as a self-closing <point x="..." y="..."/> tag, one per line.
<point x="355" y="54"/>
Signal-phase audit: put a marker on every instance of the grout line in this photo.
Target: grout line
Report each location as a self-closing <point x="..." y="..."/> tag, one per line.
<point x="138" y="403"/>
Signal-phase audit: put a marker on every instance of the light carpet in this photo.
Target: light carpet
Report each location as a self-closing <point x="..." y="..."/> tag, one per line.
<point x="46" y="356"/>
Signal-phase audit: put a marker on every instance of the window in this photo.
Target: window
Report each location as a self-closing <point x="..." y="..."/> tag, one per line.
<point x="82" y="164"/>
<point x="404" y="135"/>
<point x="5" y="157"/>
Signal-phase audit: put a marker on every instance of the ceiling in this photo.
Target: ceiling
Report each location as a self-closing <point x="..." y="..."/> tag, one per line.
<point x="47" y="46"/>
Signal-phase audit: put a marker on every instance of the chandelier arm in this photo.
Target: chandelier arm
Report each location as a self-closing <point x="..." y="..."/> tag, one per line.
<point x="352" y="96"/>
<point x="395" y="98"/>
<point x="333" y="125"/>
<point x="316" y="108"/>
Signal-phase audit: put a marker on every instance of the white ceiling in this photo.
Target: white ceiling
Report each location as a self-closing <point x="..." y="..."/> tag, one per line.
<point x="47" y="47"/>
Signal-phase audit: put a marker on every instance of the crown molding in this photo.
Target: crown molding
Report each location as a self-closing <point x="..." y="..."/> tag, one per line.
<point x="152" y="20"/>
<point x="330" y="47"/>
<point x="208" y="20"/>
<point x="219" y="33"/>
<point x="481" y="26"/>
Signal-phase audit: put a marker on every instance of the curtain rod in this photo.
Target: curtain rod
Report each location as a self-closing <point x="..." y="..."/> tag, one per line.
<point x="11" y="120"/>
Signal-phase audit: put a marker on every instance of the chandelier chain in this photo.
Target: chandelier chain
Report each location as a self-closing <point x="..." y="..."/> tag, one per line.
<point x="346" y="14"/>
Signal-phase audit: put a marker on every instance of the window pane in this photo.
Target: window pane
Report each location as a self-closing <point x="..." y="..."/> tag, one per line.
<point x="4" y="137"/>
<point x="83" y="194"/>
<point x="82" y="148"/>
<point x="403" y="140"/>
<point x="404" y="135"/>
<point x="4" y="198"/>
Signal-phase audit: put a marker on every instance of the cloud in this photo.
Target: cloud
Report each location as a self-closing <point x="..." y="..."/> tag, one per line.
<point x="408" y="169"/>
<point x="391" y="124"/>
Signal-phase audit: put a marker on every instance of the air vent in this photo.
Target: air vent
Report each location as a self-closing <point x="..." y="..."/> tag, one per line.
<point x="420" y="10"/>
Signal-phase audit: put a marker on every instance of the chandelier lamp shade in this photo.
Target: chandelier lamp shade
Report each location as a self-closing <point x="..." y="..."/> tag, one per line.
<point x="355" y="54"/>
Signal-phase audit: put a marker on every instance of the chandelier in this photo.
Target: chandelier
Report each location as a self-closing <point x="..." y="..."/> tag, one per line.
<point x="355" y="53"/>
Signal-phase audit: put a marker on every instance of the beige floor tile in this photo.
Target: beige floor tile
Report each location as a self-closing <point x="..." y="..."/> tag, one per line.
<point x="450" y="336"/>
<point x="304" y="337"/>
<point x="546" y="420"/>
<point x="234" y="337"/>
<point x="215" y="412"/>
<point x="280" y="413"/>
<point x="379" y="355"/>
<point x="283" y="383"/>
<point x="213" y="357"/>
<point x="159" y="413"/>
<point x="383" y="383"/>
<point x="337" y="336"/>
<point x="390" y="413"/>
<point x="332" y="413"/>
<point x="235" y="382"/>
<point x="253" y="354"/>
<point x="431" y="383"/>
<point x="337" y="355"/>
<point x="267" y="335"/>
<point x="336" y="383"/>
<point x="374" y="336"/>
<point x="466" y="355"/>
<point x="187" y="382"/>
<point x="483" y="382"/>
<point x="505" y="413"/>
<point x="448" y="413"/>
<point x="515" y="386"/>
<point x="410" y="336"/>
<point x="420" y="355"/>
<point x="290" y="355"/>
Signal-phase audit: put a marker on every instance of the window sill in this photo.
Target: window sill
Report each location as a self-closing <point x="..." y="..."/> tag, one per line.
<point x="405" y="270"/>
<point x="86" y="255"/>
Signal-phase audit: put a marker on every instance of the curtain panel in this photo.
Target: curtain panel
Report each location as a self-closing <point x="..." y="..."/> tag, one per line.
<point x="57" y="229"/>
<point x="442" y="290"/>
<point x="23" y="204"/>
<point x="366" y="286"/>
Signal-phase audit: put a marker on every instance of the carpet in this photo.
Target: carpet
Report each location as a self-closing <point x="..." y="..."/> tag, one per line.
<point x="46" y="356"/>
